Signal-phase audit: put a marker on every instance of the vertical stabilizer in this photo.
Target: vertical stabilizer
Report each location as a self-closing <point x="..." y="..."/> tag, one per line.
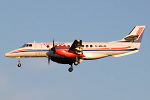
<point x="135" y="35"/>
<point x="133" y="39"/>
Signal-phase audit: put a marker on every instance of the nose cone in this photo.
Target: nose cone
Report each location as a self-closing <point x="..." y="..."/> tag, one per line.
<point x="12" y="53"/>
<point x="7" y="54"/>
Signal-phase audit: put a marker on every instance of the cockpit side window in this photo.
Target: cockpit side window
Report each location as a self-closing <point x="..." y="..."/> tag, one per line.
<point x="27" y="45"/>
<point x="24" y="45"/>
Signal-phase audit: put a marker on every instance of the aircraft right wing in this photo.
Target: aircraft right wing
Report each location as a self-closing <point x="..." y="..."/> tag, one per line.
<point x="75" y="50"/>
<point x="76" y="47"/>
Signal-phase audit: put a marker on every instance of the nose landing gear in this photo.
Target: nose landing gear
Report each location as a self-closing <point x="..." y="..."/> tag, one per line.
<point x="19" y="64"/>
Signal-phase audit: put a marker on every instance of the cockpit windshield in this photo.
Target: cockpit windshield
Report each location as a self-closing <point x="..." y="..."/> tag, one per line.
<point x="27" y="45"/>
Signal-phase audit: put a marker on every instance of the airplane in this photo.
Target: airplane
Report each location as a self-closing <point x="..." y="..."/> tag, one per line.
<point x="76" y="52"/>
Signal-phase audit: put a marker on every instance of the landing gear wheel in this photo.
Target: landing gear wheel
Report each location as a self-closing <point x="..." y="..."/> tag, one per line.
<point x="70" y="69"/>
<point x="19" y="65"/>
<point x="76" y="63"/>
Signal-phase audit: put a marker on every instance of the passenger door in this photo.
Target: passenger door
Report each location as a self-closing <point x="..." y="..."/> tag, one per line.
<point x="38" y="49"/>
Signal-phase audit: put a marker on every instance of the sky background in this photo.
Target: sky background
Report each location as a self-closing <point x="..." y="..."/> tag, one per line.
<point x="123" y="78"/>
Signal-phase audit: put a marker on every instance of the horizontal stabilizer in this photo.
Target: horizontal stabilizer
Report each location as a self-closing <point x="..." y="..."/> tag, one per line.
<point x="131" y="37"/>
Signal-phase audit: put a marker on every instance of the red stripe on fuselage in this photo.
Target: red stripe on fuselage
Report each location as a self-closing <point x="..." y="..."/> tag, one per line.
<point x="108" y="48"/>
<point x="26" y="50"/>
<point x="140" y="31"/>
<point x="68" y="48"/>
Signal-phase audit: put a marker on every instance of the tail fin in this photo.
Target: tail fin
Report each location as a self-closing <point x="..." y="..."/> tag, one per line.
<point x="135" y="35"/>
<point x="133" y="39"/>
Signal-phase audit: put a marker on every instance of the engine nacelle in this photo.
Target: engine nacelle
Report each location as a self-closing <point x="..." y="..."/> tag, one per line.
<point x="62" y="60"/>
<point x="63" y="51"/>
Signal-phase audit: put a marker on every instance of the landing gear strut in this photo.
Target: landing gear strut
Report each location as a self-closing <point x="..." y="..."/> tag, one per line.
<point x="71" y="68"/>
<point x="19" y="64"/>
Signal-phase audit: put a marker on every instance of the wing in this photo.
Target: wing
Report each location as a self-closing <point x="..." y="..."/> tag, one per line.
<point x="75" y="52"/>
<point x="76" y="47"/>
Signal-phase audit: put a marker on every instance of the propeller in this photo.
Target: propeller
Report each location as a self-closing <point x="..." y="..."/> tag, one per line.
<point x="54" y="51"/>
<point x="53" y="48"/>
<point x="49" y="60"/>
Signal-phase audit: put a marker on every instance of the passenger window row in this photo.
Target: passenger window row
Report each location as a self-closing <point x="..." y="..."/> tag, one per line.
<point x="93" y="46"/>
<point x="58" y="45"/>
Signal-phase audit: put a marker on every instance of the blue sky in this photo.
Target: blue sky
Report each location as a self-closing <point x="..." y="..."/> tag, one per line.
<point x="124" y="78"/>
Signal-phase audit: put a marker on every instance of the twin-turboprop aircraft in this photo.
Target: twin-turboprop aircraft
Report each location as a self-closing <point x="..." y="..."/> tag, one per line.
<point x="76" y="52"/>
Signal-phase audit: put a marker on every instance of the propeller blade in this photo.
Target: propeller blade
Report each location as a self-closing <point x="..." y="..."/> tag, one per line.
<point x="53" y="43"/>
<point x="49" y="60"/>
<point x="53" y="48"/>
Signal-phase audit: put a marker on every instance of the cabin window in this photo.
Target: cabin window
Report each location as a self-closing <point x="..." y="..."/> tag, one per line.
<point x="100" y="46"/>
<point x="91" y="45"/>
<point x="68" y="45"/>
<point x="87" y="45"/>
<point x="96" y="46"/>
<point x="47" y="46"/>
<point x="82" y="45"/>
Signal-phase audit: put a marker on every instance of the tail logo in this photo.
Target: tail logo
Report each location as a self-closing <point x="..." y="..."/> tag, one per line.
<point x="139" y="31"/>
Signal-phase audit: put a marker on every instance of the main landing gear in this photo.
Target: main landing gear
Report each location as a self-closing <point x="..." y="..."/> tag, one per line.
<point x="71" y="68"/>
<point x="77" y="61"/>
<point x="19" y="64"/>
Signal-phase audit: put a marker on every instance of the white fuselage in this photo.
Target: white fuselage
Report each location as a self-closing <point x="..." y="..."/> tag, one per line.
<point x="74" y="53"/>
<point x="91" y="50"/>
